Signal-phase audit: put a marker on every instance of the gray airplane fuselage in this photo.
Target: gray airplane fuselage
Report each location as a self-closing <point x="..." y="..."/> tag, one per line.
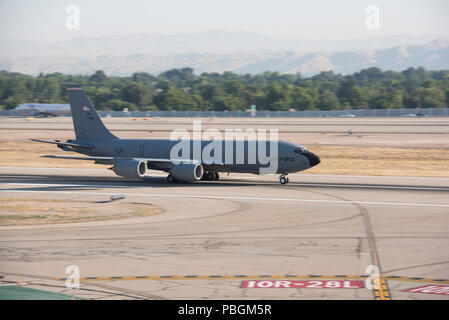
<point x="236" y="155"/>
<point x="183" y="159"/>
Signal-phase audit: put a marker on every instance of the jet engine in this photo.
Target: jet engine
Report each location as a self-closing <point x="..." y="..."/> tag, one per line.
<point x="187" y="172"/>
<point x="130" y="168"/>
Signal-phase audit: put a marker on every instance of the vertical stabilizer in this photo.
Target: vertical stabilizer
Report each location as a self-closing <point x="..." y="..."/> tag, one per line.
<point x="87" y="123"/>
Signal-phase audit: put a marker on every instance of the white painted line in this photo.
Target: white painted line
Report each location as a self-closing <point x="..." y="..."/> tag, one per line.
<point x="308" y="175"/>
<point x="348" y="185"/>
<point x="72" y="185"/>
<point x="238" y="198"/>
<point x="343" y="185"/>
<point x="230" y="180"/>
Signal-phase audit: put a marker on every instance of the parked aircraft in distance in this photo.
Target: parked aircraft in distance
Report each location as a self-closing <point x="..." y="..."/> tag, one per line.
<point x="347" y="115"/>
<point x="131" y="158"/>
<point x="43" y="109"/>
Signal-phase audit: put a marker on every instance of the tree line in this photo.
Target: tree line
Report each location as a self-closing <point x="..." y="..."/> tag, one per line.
<point x="181" y="89"/>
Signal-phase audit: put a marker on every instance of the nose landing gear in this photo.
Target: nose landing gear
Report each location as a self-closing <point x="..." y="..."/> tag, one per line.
<point x="283" y="179"/>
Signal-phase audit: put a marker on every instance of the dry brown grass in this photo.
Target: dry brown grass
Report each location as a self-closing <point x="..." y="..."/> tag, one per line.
<point x="382" y="161"/>
<point x="28" y="154"/>
<point x="39" y="211"/>
<point x="335" y="159"/>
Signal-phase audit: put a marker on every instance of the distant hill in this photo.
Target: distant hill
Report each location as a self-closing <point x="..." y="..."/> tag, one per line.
<point x="218" y="51"/>
<point x="433" y="56"/>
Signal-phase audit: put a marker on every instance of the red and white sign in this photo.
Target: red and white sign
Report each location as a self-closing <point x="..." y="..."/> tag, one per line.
<point x="430" y="289"/>
<point x="326" y="284"/>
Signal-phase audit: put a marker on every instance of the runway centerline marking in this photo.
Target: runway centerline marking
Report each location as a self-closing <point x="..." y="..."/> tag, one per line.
<point x="235" y="198"/>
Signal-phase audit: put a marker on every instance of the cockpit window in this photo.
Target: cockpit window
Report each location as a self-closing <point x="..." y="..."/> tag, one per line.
<point x="301" y="149"/>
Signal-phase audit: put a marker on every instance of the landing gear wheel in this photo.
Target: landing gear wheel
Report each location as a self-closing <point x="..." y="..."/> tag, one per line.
<point x="210" y="176"/>
<point x="170" y="178"/>
<point x="283" y="179"/>
<point x="216" y="176"/>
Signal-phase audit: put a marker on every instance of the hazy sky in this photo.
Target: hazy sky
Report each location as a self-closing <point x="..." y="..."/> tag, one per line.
<point x="46" y="19"/>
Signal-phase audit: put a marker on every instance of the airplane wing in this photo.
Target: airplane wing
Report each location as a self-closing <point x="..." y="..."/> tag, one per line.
<point x="161" y="160"/>
<point x="69" y="144"/>
<point x="153" y="163"/>
<point x="152" y="160"/>
<point x="79" y="158"/>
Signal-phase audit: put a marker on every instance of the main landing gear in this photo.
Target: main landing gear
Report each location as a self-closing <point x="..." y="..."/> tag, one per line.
<point x="283" y="179"/>
<point x="210" y="176"/>
<point x="207" y="176"/>
<point x="170" y="179"/>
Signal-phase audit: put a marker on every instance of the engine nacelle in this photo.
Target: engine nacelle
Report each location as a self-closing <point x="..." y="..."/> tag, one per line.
<point x="187" y="172"/>
<point x="130" y="168"/>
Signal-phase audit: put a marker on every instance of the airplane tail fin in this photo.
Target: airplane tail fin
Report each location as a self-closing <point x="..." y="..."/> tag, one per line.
<point x="87" y="123"/>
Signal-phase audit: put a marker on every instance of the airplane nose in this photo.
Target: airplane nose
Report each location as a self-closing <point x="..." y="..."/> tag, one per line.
<point x="313" y="158"/>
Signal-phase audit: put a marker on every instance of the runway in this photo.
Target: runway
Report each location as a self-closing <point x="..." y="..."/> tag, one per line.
<point x="211" y="236"/>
